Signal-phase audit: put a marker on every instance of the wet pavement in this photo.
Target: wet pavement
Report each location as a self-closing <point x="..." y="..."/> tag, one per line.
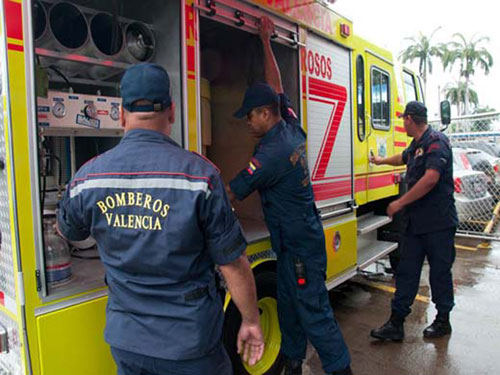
<point x="472" y="349"/>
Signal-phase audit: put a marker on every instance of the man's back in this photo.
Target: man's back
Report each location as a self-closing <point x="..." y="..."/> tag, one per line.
<point x="149" y="205"/>
<point x="145" y="195"/>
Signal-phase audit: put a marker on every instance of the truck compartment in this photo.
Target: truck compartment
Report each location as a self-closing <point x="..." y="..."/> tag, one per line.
<point x="82" y="48"/>
<point x="231" y="60"/>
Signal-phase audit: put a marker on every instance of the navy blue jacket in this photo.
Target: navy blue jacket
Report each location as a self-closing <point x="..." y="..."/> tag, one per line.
<point x="436" y="210"/>
<point x="278" y="170"/>
<point x="162" y="220"/>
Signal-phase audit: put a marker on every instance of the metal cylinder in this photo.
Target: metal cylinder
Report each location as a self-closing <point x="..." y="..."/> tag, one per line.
<point x="56" y="254"/>
<point x="67" y="32"/>
<point x="140" y="43"/>
<point x="106" y="34"/>
<point x="40" y="24"/>
<point x="107" y="42"/>
<point x="69" y="28"/>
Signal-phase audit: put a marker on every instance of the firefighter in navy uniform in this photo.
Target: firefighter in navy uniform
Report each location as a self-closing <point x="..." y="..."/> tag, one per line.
<point x="278" y="170"/>
<point x="432" y="222"/>
<point x="162" y="221"/>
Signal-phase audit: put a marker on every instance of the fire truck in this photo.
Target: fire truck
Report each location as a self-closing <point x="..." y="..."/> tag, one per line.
<point x="61" y="62"/>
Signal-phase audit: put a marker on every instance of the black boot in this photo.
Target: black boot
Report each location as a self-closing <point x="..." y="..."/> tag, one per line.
<point x="392" y="330"/>
<point x="440" y="327"/>
<point x="292" y="367"/>
<point x="346" y="371"/>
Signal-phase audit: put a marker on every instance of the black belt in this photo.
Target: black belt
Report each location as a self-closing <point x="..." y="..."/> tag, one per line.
<point x="196" y="294"/>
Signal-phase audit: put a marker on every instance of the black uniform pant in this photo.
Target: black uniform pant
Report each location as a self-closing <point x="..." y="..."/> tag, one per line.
<point x="439" y="248"/>
<point x="305" y="313"/>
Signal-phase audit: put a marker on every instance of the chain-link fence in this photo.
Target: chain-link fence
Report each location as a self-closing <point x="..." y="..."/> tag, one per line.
<point x="476" y="172"/>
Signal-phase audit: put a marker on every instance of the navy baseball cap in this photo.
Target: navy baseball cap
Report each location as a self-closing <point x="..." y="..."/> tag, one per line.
<point x="257" y="95"/>
<point x="145" y="82"/>
<point x="415" y="108"/>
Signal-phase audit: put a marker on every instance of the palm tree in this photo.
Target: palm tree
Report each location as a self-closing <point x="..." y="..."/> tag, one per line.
<point x="456" y="94"/>
<point x="470" y="54"/>
<point x="422" y="50"/>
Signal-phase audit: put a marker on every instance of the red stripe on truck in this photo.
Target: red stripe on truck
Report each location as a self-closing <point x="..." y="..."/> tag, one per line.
<point x="13" y="19"/>
<point x="338" y="93"/>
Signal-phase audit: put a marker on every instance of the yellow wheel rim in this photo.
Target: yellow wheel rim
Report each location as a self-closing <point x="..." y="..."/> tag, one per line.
<point x="272" y="336"/>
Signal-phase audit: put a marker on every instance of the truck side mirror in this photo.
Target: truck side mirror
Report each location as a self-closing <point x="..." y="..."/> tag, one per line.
<point x="445" y="112"/>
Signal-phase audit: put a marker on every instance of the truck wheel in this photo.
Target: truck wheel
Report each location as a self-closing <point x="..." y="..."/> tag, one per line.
<point x="272" y="360"/>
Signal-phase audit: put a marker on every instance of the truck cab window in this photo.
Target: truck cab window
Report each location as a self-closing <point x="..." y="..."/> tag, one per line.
<point x="410" y="87"/>
<point x="380" y="100"/>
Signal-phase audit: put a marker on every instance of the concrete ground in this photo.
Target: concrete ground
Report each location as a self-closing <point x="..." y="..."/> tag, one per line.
<point x="472" y="349"/>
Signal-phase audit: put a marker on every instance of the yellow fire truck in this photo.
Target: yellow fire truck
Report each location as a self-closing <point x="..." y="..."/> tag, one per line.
<point x="61" y="62"/>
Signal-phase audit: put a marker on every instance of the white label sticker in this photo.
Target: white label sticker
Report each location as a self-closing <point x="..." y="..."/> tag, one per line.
<point x="382" y="147"/>
<point x="83" y="120"/>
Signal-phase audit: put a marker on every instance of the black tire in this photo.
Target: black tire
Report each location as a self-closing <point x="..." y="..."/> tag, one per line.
<point x="266" y="283"/>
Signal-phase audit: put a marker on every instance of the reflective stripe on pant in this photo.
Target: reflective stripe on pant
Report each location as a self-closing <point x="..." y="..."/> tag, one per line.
<point x="215" y="363"/>
<point x="439" y="247"/>
<point x="306" y="313"/>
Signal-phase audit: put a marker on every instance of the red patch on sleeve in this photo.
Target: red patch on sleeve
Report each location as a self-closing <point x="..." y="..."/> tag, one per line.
<point x="434" y="146"/>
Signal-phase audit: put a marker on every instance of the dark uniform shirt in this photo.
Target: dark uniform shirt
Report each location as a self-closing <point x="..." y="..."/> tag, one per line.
<point x="279" y="171"/>
<point x="436" y="210"/>
<point x="161" y="219"/>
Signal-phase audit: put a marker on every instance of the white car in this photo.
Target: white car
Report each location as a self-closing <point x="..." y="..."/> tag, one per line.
<point x="495" y="163"/>
<point x="477" y="160"/>
<point x="472" y="199"/>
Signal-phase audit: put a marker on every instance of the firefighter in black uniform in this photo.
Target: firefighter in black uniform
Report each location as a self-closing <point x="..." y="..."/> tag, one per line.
<point x="432" y="222"/>
<point x="278" y="170"/>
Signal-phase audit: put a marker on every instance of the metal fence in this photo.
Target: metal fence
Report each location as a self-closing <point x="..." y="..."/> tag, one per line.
<point x="476" y="173"/>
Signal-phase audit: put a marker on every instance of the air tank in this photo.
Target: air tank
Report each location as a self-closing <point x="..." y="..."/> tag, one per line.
<point x="69" y="28"/>
<point x="57" y="254"/>
<point x="140" y="43"/>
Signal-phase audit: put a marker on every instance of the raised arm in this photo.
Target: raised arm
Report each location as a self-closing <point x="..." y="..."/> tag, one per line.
<point x="273" y="76"/>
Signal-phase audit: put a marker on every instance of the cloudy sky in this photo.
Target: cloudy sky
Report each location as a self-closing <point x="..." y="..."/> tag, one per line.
<point x="389" y="22"/>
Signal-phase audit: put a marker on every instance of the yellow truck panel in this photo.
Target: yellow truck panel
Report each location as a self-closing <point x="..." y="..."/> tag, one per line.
<point x="340" y="238"/>
<point x="71" y="340"/>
